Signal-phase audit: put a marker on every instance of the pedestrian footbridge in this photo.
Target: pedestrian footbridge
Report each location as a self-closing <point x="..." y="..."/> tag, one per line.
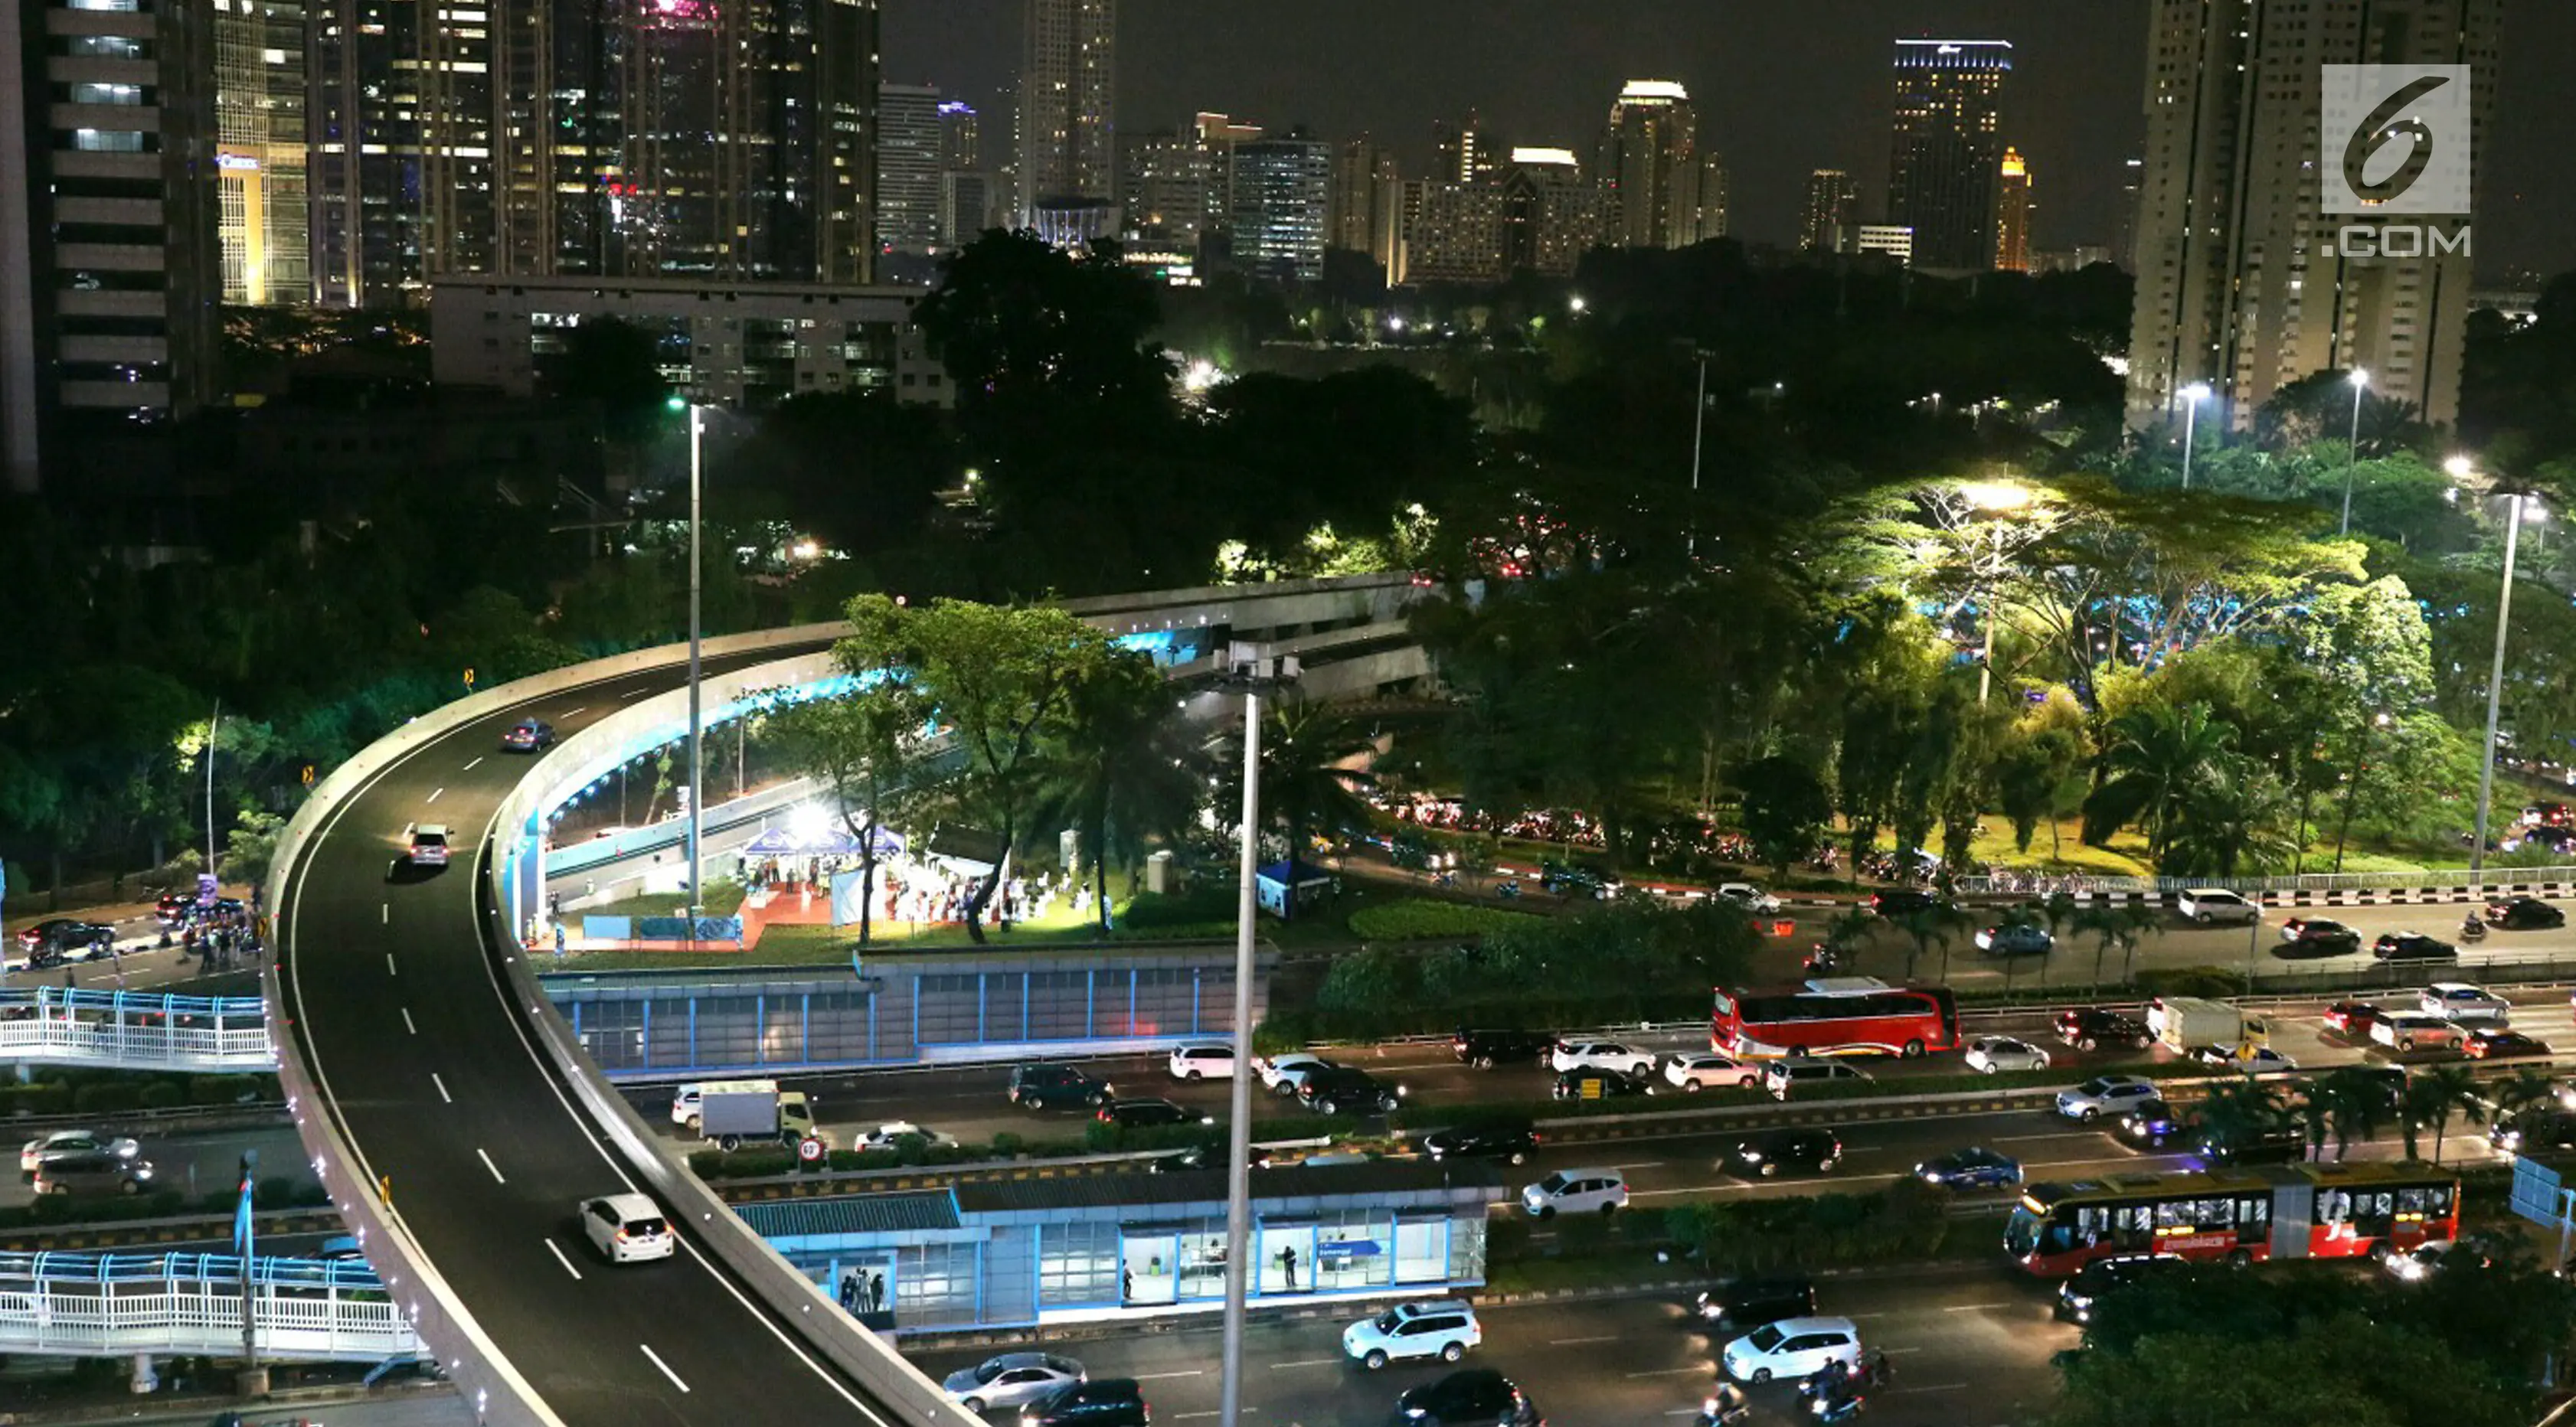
<point x="137" y="1030"/>
<point x="120" y="1305"/>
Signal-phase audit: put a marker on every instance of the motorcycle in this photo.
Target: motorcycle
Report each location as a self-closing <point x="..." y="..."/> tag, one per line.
<point x="1723" y="1411"/>
<point x="1840" y="1405"/>
<point x="1823" y="961"/>
<point x="2474" y="929"/>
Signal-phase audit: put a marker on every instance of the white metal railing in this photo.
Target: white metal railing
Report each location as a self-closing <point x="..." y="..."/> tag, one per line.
<point x="55" y="1025"/>
<point x="119" y="1304"/>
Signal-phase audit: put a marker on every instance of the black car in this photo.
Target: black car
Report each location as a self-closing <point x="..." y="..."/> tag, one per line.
<point x="2412" y="946"/>
<point x="1145" y="1114"/>
<point x="2287" y="1144"/>
<point x="1338" y="1088"/>
<point x="2078" y="1296"/>
<point x="2149" y="1123"/>
<point x="1975" y="1167"/>
<point x="2094" y="1027"/>
<point x="1599" y="1085"/>
<point x="1902" y="902"/>
<point x="1511" y="1143"/>
<point x="1768" y="1153"/>
<point x="1478" y="1397"/>
<point x="1566" y="879"/>
<point x="1747" y="1303"/>
<point x="527" y="736"/>
<point x="2534" y="1131"/>
<point x="1487" y="1049"/>
<point x="180" y="908"/>
<point x="1102" y="1402"/>
<point x="2524" y="914"/>
<point x="1204" y="1157"/>
<point x="1035" y="1087"/>
<point x="58" y="937"/>
<point x="2303" y="938"/>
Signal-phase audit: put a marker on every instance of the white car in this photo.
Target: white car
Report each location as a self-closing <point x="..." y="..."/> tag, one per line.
<point x="2418" y="1263"/>
<point x="1600" y="1055"/>
<point x="1748" y="896"/>
<point x="426" y="844"/>
<point x="2105" y="1095"/>
<point x="2411" y="1030"/>
<point x="1011" y="1380"/>
<point x="1792" y="1348"/>
<point x="1442" y="1328"/>
<point x="1990" y="1054"/>
<point x="2215" y="906"/>
<point x="1576" y="1191"/>
<point x="1288" y="1074"/>
<point x="627" y="1228"/>
<point x="63" y="1142"/>
<point x="2460" y="1001"/>
<point x="1697" y="1070"/>
<point x="1205" y="1061"/>
<point x="890" y="1135"/>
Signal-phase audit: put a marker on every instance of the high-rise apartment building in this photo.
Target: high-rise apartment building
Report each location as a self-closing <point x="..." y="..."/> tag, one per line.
<point x="1065" y="162"/>
<point x="110" y="263"/>
<point x="2012" y="213"/>
<point x="1453" y="231"/>
<point x="1650" y="166"/>
<point x="260" y="151"/>
<point x="402" y="179"/>
<point x="1942" y="173"/>
<point x="1713" y="187"/>
<point x="961" y="137"/>
<point x="1465" y="152"/>
<point x="2241" y="282"/>
<point x="910" y="142"/>
<point x="1831" y="220"/>
<point x="1280" y="195"/>
<point x="1363" y="183"/>
<point x="1549" y="214"/>
<point x="1163" y="191"/>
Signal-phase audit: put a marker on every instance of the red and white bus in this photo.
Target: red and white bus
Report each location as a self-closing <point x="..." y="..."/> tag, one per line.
<point x="1841" y="1015"/>
<point x="2317" y="1211"/>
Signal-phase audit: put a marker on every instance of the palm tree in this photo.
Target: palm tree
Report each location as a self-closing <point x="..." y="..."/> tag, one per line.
<point x="2356" y="1105"/>
<point x="2121" y="925"/>
<point x="2236" y="1114"/>
<point x="1935" y="925"/>
<point x="2432" y="1097"/>
<point x="1313" y="772"/>
<point x="2155" y="757"/>
<point x="2232" y="814"/>
<point x="1124" y="769"/>
<point x="2523" y="1090"/>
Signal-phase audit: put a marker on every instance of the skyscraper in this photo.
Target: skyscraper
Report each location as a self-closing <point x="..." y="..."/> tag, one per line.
<point x="1163" y="189"/>
<point x="1281" y="190"/>
<point x="1942" y="173"/>
<point x="109" y="256"/>
<point x="961" y="137"/>
<point x="2124" y="235"/>
<point x="1650" y="166"/>
<point x="1832" y="217"/>
<point x="1363" y="171"/>
<point x="260" y="151"/>
<point x="1066" y="124"/>
<point x="1713" y="187"/>
<point x="2240" y="280"/>
<point x="1549" y="214"/>
<point x="910" y="141"/>
<point x="966" y="188"/>
<point x="402" y="177"/>
<point x="1465" y="152"/>
<point x="2012" y="213"/>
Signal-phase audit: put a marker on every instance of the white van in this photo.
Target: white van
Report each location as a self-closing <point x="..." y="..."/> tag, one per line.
<point x="1202" y="1062"/>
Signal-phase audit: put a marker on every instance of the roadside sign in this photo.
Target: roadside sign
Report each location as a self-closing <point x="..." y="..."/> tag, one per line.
<point x="809" y="1150"/>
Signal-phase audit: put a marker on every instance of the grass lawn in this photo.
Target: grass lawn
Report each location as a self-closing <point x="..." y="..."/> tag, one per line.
<point x="723" y="899"/>
<point x="2125" y="857"/>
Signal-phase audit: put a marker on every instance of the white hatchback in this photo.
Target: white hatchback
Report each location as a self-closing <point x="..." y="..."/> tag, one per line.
<point x="1698" y="1070"/>
<point x="627" y="1228"/>
<point x="1205" y="1061"/>
<point x="1576" y="1191"/>
<point x="1792" y="1348"/>
<point x="1991" y="1054"/>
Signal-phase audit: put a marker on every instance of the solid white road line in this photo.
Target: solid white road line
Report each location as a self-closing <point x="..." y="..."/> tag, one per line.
<point x="557" y="1251"/>
<point x="665" y="1367"/>
<point x="407" y="1025"/>
<point x="1973" y="1307"/>
<point x="450" y="1099"/>
<point x="1570" y="1342"/>
<point x="433" y="795"/>
<point x="1668" y="1372"/>
<point x="488" y="1164"/>
<point x="1641" y="1164"/>
<point x="1308" y="1363"/>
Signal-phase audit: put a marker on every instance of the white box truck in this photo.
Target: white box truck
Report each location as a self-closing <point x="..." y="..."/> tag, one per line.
<point x="730" y="1112"/>
<point x="2186" y="1023"/>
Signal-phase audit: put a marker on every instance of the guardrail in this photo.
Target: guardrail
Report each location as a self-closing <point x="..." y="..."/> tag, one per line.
<point x="115" y="1305"/>
<point x="135" y="1029"/>
<point x="2493" y="878"/>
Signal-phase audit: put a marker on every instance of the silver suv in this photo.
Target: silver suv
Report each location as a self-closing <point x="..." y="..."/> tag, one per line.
<point x="1439" y="1327"/>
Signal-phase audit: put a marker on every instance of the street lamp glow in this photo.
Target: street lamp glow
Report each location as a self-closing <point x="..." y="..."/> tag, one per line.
<point x="2460" y="467"/>
<point x="2195" y="394"/>
<point x="1574" y="303"/>
<point x="2360" y="378"/>
<point x="1995" y="496"/>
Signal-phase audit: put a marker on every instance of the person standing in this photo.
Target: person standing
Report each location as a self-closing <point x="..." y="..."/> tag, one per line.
<point x="876" y="1293"/>
<point x="1288" y="1266"/>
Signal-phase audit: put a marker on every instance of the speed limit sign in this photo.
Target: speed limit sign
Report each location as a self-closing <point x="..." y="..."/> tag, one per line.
<point x="809" y="1150"/>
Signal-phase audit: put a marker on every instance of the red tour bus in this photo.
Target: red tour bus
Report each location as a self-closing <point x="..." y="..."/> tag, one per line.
<point x="1840" y="1015"/>
<point x="2317" y="1211"/>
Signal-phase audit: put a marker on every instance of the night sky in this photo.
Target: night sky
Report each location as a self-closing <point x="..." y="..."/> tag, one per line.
<point x="1783" y="86"/>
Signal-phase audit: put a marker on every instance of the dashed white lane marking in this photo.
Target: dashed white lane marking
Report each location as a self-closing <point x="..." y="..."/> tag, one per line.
<point x="557" y="1251"/>
<point x="576" y="713"/>
<point x="1159" y="1376"/>
<point x="488" y="1164"/>
<point x="1307" y="1363"/>
<point x="665" y="1367"/>
<point x="450" y="1099"/>
<point x="1973" y="1307"/>
<point x="433" y="795"/>
<point x="1668" y="1372"/>
<point x="1570" y="1342"/>
<point x="385" y="916"/>
<point x="390" y="969"/>
<point x="470" y="766"/>
<point x="407" y="1025"/>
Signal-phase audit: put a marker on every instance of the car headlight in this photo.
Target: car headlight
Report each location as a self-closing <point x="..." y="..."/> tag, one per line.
<point x="1930" y="1176"/>
<point x="1750" y="1156"/>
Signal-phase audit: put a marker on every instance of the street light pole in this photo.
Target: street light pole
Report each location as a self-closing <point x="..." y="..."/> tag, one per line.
<point x="213" y="724"/>
<point x="697" y="482"/>
<point x="2352" y="448"/>
<point x="1699" y="431"/>
<point x="2495" y="689"/>
<point x="2194" y="395"/>
<point x="1253" y="671"/>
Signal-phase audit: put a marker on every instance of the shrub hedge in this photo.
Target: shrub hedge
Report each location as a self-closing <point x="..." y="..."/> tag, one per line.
<point x="1423" y="918"/>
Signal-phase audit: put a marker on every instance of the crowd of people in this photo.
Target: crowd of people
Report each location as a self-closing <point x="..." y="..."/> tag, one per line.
<point x="923" y="894"/>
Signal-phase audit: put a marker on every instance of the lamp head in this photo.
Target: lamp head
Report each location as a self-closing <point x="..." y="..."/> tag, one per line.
<point x="2360" y="379"/>
<point x="2196" y="393"/>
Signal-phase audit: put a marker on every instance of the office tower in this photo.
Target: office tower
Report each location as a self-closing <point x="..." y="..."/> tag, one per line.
<point x="967" y="204"/>
<point x="110" y="263"/>
<point x="401" y="175"/>
<point x="2012" y="213"/>
<point x="1363" y="183"/>
<point x="961" y="137"/>
<point x="1888" y="240"/>
<point x="1549" y="214"/>
<point x="260" y="151"/>
<point x="1163" y="197"/>
<point x="910" y="139"/>
<point x="1281" y="190"/>
<point x="1218" y="134"/>
<point x="1832" y="219"/>
<point x="1941" y="175"/>
<point x="1453" y="231"/>
<point x="1066" y="149"/>
<point x="1713" y="186"/>
<point x="2241" y="280"/>
<point x="1465" y="152"/>
<point x="1650" y="166"/>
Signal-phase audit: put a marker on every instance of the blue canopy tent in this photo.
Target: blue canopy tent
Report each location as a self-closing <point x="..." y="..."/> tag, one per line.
<point x="832" y="840"/>
<point x="1272" y="887"/>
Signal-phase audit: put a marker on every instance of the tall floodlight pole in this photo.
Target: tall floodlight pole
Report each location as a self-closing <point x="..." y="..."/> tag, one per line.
<point x="2352" y="449"/>
<point x="2495" y="681"/>
<point x="697" y="483"/>
<point x="1252" y="670"/>
<point x="2193" y="396"/>
<point x="212" y="726"/>
<point x="1699" y="433"/>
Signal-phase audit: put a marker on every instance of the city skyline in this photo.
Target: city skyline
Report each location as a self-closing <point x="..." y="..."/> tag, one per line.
<point x="2073" y="109"/>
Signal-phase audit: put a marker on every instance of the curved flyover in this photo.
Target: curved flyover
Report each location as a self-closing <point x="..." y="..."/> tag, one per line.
<point x="449" y="1110"/>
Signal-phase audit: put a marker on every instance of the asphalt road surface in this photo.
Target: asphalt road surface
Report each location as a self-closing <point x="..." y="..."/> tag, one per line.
<point x="404" y="1023"/>
<point x="198" y="1162"/>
